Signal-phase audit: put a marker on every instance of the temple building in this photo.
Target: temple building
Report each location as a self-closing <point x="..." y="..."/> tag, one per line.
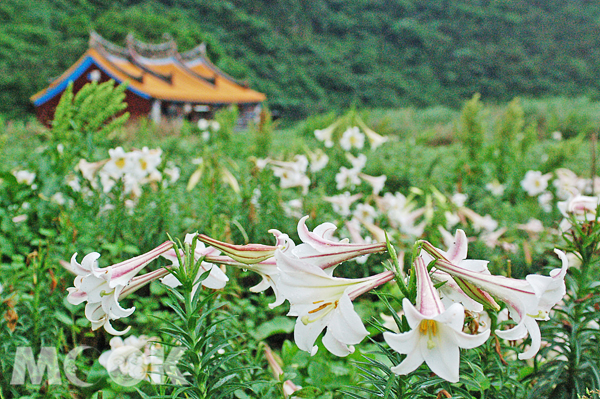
<point x="162" y="83"/>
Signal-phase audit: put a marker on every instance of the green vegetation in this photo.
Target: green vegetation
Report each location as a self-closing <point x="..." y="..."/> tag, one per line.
<point x="439" y="164"/>
<point x="315" y="56"/>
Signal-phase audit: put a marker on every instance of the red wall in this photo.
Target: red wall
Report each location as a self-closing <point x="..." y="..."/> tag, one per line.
<point x="137" y="106"/>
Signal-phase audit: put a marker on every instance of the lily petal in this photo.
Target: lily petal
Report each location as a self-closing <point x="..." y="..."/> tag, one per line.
<point x="335" y="346"/>
<point x="410" y="363"/>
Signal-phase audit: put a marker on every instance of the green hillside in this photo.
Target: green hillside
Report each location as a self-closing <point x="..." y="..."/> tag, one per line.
<point x="314" y="55"/>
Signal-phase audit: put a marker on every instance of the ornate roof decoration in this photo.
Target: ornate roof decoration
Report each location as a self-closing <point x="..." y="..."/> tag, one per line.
<point x="156" y="71"/>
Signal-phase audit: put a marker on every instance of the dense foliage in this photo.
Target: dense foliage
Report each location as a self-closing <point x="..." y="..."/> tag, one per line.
<point x="311" y="56"/>
<point x="416" y="175"/>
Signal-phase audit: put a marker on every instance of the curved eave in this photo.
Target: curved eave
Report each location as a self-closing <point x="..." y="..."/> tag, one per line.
<point x="195" y="90"/>
<point x="226" y="84"/>
<point x="74" y="73"/>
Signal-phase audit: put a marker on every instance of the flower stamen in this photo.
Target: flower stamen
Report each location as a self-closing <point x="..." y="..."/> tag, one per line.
<point x="429" y="327"/>
<point x="327" y="305"/>
<point x="323" y="306"/>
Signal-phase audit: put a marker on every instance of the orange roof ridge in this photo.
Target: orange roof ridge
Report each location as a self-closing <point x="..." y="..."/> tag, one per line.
<point x="181" y="63"/>
<point x="106" y="56"/>
<point x="134" y="58"/>
<point x="198" y="54"/>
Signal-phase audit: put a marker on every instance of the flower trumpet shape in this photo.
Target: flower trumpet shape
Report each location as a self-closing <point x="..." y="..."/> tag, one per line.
<point x="247" y="254"/>
<point x="108" y="308"/>
<point x="581" y="207"/>
<point x="266" y="268"/>
<point x="320" y="300"/>
<point x="102" y="288"/>
<point x="456" y="289"/>
<point x="436" y="333"/>
<point x="319" y="249"/>
<point x="527" y="300"/>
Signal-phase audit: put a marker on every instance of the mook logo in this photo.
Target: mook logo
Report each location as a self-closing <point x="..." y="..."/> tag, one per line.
<point x="126" y="367"/>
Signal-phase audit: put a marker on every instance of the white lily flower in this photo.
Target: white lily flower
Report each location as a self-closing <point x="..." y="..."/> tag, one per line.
<point x="459" y="199"/>
<point x="102" y="288"/>
<point x="319" y="249"/>
<point x="591" y="186"/>
<point x="535" y="182"/>
<point x="545" y="201"/>
<point x="452" y="219"/>
<point x="145" y="161"/>
<point x="138" y="358"/>
<point x="375" y="139"/>
<point x="582" y="207"/>
<point x="486" y="223"/>
<point x="320" y="300"/>
<point x="567" y="183"/>
<point x="293" y="208"/>
<point x="73" y="181"/>
<point x="365" y="212"/>
<point x="108" y="308"/>
<point x="402" y="214"/>
<point x="352" y="137"/>
<point x="557" y="135"/>
<point x="326" y="134"/>
<point x="496" y="188"/>
<point x="533" y="226"/>
<point x="527" y="300"/>
<point x="341" y="203"/>
<point x="436" y="333"/>
<point x="90" y="169"/>
<point x="377" y="182"/>
<point x="347" y="178"/>
<point x="24" y="177"/>
<point x="318" y="160"/>
<point x="289" y="178"/>
<point x="203" y="124"/>
<point x="120" y="162"/>
<point x="172" y="172"/>
<point x="358" y="162"/>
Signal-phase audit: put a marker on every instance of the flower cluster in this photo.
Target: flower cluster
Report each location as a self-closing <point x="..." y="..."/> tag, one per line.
<point x="102" y="288"/>
<point x="24" y="177"/>
<point x="290" y="173"/>
<point x="207" y="127"/>
<point x="437" y="320"/>
<point x="134" y="168"/>
<point x="303" y="275"/>
<point x="352" y="137"/>
<point x="580" y="207"/>
<point x="136" y="358"/>
<point x="566" y="185"/>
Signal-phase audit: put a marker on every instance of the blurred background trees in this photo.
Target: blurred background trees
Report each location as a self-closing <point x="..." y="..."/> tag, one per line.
<point x="320" y="55"/>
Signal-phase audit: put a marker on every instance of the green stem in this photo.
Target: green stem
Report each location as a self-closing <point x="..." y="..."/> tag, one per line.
<point x="397" y="267"/>
<point x="36" y="303"/>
